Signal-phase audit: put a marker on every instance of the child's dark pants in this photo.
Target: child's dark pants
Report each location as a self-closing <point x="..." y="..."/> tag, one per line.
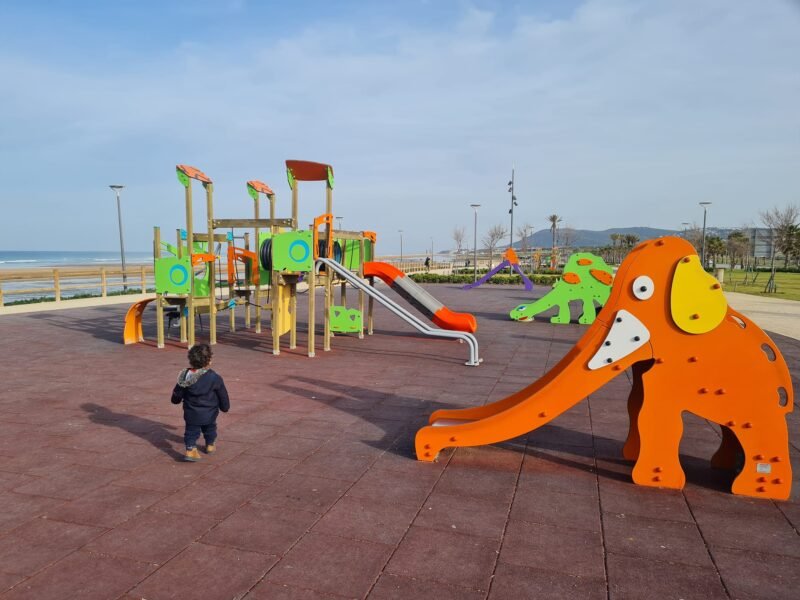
<point x="193" y="432"/>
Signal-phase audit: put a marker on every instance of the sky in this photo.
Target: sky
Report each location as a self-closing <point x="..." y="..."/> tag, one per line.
<point x="613" y="113"/>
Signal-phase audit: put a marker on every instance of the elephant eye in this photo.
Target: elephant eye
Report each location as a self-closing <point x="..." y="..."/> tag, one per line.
<point x="643" y="287"/>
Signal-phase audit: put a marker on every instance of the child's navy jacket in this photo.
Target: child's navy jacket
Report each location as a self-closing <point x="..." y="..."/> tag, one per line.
<point x="203" y="395"/>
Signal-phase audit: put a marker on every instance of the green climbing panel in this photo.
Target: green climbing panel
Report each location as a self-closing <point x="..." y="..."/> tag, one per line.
<point x="173" y="275"/>
<point x="586" y="278"/>
<point x="292" y="251"/>
<point x="345" y="320"/>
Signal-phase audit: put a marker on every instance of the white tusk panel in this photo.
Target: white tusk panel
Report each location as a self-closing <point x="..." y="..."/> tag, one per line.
<point x="627" y="335"/>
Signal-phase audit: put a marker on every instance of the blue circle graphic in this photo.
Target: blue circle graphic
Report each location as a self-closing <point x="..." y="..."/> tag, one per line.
<point x="181" y="271"/>
<point x="303" y="247"/>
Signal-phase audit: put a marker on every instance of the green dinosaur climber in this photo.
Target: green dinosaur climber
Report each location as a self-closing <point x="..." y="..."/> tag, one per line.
<point x="586" y="278"/>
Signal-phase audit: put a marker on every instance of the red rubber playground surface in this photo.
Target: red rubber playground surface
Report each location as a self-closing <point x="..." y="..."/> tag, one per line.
<point x="314" y="493"/>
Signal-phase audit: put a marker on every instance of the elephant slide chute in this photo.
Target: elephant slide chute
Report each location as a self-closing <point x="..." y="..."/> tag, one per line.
<point x="420" y="298"/>
<point x="668" y="321"/>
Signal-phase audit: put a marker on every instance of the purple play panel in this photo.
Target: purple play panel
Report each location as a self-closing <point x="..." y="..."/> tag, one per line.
<point x="314" y="493"/>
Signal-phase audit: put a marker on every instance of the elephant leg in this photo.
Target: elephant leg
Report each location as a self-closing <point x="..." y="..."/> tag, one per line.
<point x="660" y="430"/>
<point x="729" y="453"/>
<point x="767" y="470"/>
<point x="563" y="315"/>
<point x="589" y="314"/>
<point x="631" y="449"/>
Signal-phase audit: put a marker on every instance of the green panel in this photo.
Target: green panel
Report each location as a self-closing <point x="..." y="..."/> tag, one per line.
<point x="253" y="192"/>
<point x="330" y="178"/>
<point x="183" y="178"/>
<point x="292" y="251"/>
<point x="345" y="320"/>
<point x="290" y="178"/>
<point x="172" y="275"/>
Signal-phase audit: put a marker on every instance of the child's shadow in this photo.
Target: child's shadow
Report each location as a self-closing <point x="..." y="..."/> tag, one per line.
<point x="156" y="433"/>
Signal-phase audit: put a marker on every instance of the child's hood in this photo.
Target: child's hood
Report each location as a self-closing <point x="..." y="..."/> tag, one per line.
<point x="188" y="377"/>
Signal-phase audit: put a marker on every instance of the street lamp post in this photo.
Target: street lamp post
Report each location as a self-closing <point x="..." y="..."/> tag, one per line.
<point x="401" y="244"/>
<point x="511" y="212"/>
<point x="685" y="225"/>
<point x="339" y="224"/>
<point x="117" y="190"/>
<point x="703" y="252"/>
<point x="475" y="245"/>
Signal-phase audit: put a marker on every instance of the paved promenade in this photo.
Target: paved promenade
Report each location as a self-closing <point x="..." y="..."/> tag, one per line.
<point x="315" y="494"/>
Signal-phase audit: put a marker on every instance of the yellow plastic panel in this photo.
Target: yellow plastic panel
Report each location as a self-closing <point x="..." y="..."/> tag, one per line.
<point x="697" y="302"/>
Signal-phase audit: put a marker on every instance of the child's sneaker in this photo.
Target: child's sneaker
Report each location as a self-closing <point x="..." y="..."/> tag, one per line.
<point x="211" y="448"/>
<point x="192" y="455"/>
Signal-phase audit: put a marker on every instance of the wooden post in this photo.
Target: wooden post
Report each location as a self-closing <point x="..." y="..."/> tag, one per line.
<point x="312" y="286"/>
<point x="293" y="316"/>
<point x="212" y="267"/>
<point x="231" y="294"/>
<point x="276" y="291"/>
<point x="361" y="248"/>
<point x="343" y="294"/>
<point x="103" y="283"/>
<point x="326" y="341"/>
<point x="295" y="193"/>
<point x="159" y="297"/>
<point x="1" y="294"/>
<point x="56" y="285"/>
<point x="144" y="280"/>
<point x="190" y="318"/>
<point x="182" y="318"/>
<point x="250" y="280"/>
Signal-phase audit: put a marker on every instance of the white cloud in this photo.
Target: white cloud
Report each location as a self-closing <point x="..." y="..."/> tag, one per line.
<point x="623" y="113"/>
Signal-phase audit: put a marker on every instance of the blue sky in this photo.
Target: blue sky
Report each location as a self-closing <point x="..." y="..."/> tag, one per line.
<point x="613" y="112"/>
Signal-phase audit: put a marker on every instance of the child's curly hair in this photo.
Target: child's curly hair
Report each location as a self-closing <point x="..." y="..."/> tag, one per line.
<point x="200" y="356"/>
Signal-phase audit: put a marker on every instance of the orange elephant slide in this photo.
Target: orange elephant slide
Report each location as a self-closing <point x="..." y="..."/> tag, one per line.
<point x="668" y="321"/>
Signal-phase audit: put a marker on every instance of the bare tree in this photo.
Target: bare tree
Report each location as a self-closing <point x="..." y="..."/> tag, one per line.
<point x="738" y="247"/>
<point x="568" y="235"/>
<point x="524" y="234"/>
<point x="492" y="238"/>
<point x="458" y="237"/>
<point x="782" y="225"/>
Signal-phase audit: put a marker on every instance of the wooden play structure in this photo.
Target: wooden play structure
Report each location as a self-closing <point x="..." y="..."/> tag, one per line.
<point x="668" y="321"/>
<point x="586" y="279"/>
<point x="265" y="271"/>
<point x="510" y="261"/>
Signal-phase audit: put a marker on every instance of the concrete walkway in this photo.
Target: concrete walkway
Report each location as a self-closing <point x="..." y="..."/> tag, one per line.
<point x="771" y="314"/>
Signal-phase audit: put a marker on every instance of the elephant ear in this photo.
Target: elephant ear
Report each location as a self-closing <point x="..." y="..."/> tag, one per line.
<point x="696" y="302"/>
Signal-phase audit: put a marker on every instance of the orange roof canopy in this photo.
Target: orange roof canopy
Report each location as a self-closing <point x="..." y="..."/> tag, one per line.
<point x="260" y="186"/>
<point x="304" y="170"/>
<point x="194" y="173"/>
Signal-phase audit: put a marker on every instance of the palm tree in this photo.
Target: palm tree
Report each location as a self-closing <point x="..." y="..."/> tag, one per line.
<point x="554" y="220"/>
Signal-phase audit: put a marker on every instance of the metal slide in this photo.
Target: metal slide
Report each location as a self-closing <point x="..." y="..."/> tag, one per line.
<point x="401" y="312"/>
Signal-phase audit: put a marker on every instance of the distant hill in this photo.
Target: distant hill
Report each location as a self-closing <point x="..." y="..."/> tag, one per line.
<point x="586" y="237"/>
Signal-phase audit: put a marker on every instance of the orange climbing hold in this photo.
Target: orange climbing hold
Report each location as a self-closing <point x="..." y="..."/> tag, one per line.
<point x="584" y="261"/>
<point x="602" y="276"/>
<point x="571" y="278"/>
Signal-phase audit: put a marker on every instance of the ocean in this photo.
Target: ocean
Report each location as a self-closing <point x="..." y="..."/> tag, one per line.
<point x="25" y="259"/>
<point x="51" y="259"/>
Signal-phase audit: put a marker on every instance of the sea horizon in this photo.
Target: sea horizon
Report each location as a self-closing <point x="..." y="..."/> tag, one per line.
<point x="23" y="259"/>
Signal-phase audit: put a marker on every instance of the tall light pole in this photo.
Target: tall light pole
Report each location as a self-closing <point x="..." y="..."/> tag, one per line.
<point x="400" y="231"/>
<point x="511" y="210"/>
<point x="339" y="224"/>
<point x="685" y="225"/>
<point x="431" y="248"/>
<point x="703" y="252"/>
<point x="117" y="189"/>
<point x="475" y="245"/>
